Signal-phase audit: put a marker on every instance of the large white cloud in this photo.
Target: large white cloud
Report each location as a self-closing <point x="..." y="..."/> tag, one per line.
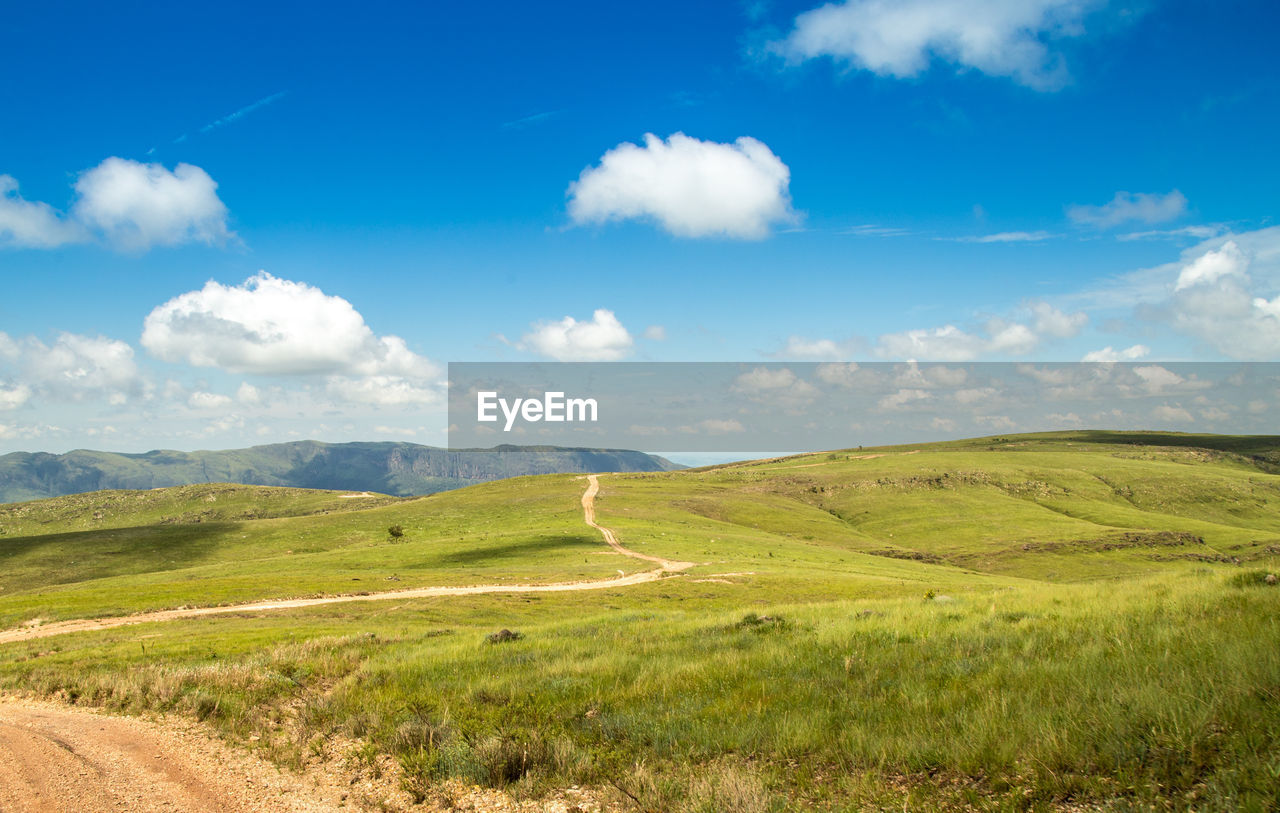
<point x="901" y="38"/>
<point x="1127" y="207"/>
<point x="271" y="326"/>
<point x="128" y="204"/>
<point x="31" y="224"/>
<point x="603" y="338"/>
<point x="137" y="205"/>
<point x="691" y="188"/>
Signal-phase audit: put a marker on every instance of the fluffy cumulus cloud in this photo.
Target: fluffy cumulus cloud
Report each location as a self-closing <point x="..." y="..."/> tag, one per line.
<point x="691" y="188"/>
<point x="128" y="204"/>
<point x="137" y="205"/>
<point x="901" y="38"/>
<point x="602" y="338"/>
<point x="271" y="326"/>
<point x="31" y="224"/>
<point x="1127" y="207"/>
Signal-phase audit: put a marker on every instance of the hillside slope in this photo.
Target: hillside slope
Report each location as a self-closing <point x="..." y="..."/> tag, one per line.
<point x="1058" y="622"/>
<point x="401" y="469"/>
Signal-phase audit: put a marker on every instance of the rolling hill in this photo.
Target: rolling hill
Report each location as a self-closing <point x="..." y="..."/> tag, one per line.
<point x="400" y="469"/>
<point x="1065" y="621"/>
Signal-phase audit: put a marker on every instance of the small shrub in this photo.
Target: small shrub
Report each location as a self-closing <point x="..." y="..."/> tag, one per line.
<point x="1254" y="578"/>
<point x="761" y="623"/>
<point x="502" y="636"/>
<point x="395" y="531"/>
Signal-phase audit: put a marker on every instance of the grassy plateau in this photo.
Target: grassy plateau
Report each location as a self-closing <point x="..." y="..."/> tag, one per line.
<point x="1066" y="621"/>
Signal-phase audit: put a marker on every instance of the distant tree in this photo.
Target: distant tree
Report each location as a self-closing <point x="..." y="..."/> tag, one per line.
<point x="395" y="531"/>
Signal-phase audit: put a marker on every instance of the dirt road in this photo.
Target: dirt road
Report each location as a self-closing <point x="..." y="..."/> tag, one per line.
<point x="665" y="567"/>
<point x="55" y="759"/>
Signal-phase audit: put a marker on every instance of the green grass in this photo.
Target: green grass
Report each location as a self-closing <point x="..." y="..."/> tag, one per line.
<point x="1034" y="622"/>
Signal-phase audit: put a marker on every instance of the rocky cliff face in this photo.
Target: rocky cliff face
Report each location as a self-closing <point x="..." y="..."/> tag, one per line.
<point x="392" y="468"/>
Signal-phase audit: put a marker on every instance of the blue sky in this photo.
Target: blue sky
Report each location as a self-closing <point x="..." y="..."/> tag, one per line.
<point x="988" y="180"/>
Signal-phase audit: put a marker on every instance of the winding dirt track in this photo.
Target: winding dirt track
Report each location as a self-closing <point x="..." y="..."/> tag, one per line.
<point x="56" y="759"/>
<point x="665" y="566"/>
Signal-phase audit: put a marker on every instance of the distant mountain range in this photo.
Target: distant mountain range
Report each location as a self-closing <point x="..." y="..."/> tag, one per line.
<point x="401" y="469"/>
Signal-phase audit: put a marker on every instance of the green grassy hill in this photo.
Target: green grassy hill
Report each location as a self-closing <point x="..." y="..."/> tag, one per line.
<point x="1058" y="621"/>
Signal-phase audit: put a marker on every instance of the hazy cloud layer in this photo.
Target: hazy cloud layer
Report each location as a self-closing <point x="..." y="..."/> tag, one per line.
<point x="998" y="337"/>
<point x="73" y="368"/>
<point x="690" y="188"/>
<point x="902" y="38"/>
<point x="1127" y="207"/>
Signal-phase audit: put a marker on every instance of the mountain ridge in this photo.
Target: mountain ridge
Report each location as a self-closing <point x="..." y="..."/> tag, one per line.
<point x="388" y="467"/>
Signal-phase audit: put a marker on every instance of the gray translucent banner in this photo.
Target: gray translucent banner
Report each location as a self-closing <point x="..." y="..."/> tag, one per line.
<point x="795" y="407"/>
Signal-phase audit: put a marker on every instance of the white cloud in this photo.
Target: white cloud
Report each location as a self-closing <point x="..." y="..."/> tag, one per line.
<point x="1266" y="308"/>
<point x="902" y="398"/>
<point x="128" y="204"/>
<point x="1050" y="321"/>
<point x="271" y="326"/>
<point x="691" y="188"/>
<point x="998" y="337"/>
<point x="655" y="333"/>
<point x="1009" y="337"/>
<point x="1198" y="232"/>
<point x="1010" y="237"/>
<point x="248" y="394"/>
<point x="1107" y="353"/>
<point x="946" y="343"/>
<point x="208" y="400"/>
<point x="902" y="38"/>
<point x="76" y="367"/>
<point x="382" y="390"/>
<point x="777" y="386"/>
<point x="798" y="347"/>
<point x="846" y="375"/>
<point x="1171" y="414"/>
<point x="1216" y="300"/>
<point x="12" y="397"/>
<point x="1156" y="379"/>
<point x="1212" y="266"/>
<point x="999" y="422"/>
<point x="603" y="338"/>
<point x="31" y="224"/>
<point x="136" y="206"/>
<point x="1128" y="206"/>
<point x="1219" y="292"/>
